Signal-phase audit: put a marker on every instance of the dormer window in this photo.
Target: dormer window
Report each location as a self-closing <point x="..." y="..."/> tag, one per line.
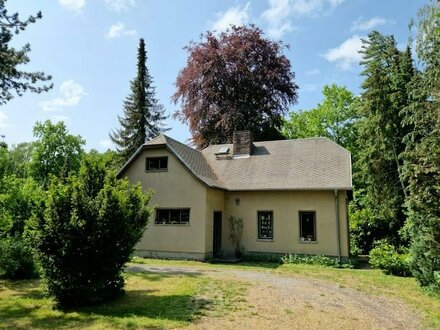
<point x="157" y="164"/>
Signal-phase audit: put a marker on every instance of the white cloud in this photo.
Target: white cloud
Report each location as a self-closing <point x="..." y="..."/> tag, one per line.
<point x="233" y="16"/>
<point x="119" y="5"/>
<point x="75" y="5"/>
<point x="4" y="120"/>
<point x="313" y="7"/>
<point x="346" y="54"/>
<point x="313" y="72"/>
<point x="277" y="17"/>
<point x="119" y="30"/>
<point x="70" y="95"/>
<point x="366" y="25"/>
<point x="106" y="144"/>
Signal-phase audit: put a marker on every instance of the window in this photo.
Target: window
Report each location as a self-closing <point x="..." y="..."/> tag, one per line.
<point x="307" y="226"/>
<point x="265" y="225"/>
<point x="172" y="216"/>
<point x="157" y="164"/>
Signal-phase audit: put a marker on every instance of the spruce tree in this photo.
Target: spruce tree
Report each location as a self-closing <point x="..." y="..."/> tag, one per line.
<point x="143" y="116"/>
<point x="422" y="156"/>
<point x="385" y="93"/>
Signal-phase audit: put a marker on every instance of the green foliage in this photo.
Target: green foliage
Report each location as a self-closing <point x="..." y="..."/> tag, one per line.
<point x="4" y="162"/>
<point x="143" y="115"/>
<point x="422" y="154"/>
<point x="381" y="129"/>
<point x="16" y="259"/>
<point x="236" y="234"/>
<point x="334" y="118"/>
<point x="364" y="229"/>
<point x="20" y="156"/>
<point x="87" y="233"/>
<point x="235" y="80"/>
<point x="292" y="259"/>
<point x="11" y="58"/>
<point x="391" y="260"/>
<point x="56" y="152"/>
<point x="20" y="199"/>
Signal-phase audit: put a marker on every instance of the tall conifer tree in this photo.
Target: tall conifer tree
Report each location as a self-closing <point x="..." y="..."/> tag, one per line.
<point x="143" y="116"/>
<point x="388" y="72"/>
<point x="422" y="156"/>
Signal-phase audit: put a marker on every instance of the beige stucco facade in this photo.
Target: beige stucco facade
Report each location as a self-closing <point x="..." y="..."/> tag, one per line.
<point x="177" y="187"/>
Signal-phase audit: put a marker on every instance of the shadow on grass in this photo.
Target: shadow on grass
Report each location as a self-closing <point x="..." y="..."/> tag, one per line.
<point x="24" y="288"/>
<point x="159" y="273"/>
<point x="250" y="263"/>
<point x="138" y="308"/>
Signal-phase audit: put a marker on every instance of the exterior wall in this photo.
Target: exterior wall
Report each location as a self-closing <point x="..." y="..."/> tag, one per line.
<point x="214" y="202"/>
<point x="286" y="206"/>
<point x="174" y="188"/>
<point x="178" y="188"/>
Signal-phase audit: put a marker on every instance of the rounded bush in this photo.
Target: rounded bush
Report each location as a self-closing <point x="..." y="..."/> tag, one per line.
<point x="392" y="261"/>
<point x="16" y="259"/>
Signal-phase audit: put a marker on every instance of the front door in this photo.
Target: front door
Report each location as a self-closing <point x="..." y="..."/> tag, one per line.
<point x="217" y="236"/>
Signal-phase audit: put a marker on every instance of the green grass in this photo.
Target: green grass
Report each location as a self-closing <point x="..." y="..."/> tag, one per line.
<point x="175" y="300"/>
<point x="370" y="281"/>
<point x="151" y="301"/>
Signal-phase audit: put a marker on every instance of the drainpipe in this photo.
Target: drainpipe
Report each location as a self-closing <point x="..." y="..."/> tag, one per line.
<point x="338" y="234"/>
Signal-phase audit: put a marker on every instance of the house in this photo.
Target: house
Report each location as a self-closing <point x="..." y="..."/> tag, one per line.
<point x="291" y="194"/>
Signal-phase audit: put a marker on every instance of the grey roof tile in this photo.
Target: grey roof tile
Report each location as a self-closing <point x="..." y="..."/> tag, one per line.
<point x="302" y="164"/>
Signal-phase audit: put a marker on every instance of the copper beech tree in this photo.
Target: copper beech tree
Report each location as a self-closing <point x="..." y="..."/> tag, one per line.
<point x="235" y="80"/>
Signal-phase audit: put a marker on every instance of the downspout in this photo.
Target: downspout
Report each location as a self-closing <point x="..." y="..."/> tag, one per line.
<point x="338" y="234"/>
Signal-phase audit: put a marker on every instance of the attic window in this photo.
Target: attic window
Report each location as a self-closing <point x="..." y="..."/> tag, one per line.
<point x="157" y="164"/>
<point x="224" y="150"/>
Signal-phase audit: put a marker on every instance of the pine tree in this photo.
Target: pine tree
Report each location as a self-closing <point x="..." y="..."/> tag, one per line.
<point x="422" y="156"/>
<point x="388" y="72"/>
<point x="13" y="80"/>
<point x="143" y="116"/>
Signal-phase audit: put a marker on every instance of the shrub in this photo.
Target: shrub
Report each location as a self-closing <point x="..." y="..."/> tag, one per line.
<point x="88" y="232"/>
<point x="310" y="260"/>
<point x="315" y="260"/>
<point x="16" y="259"/>
<point x="391" y="260"/>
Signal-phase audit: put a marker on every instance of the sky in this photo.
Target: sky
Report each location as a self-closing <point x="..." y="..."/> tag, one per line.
<point x="90" y="47"/>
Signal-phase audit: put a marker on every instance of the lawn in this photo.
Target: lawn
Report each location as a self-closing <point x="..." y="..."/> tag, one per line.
<point x="151" y="301"/>
<point x="170" y="300"/>
<point x="371" y="281"/>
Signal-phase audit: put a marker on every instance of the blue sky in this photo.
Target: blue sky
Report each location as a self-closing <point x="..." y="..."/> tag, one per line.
<point x="89" y="46"/>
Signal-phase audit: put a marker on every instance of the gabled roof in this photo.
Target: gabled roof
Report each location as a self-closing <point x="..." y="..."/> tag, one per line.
<point x="301" y="164"/>
<point x="192" y="159"/>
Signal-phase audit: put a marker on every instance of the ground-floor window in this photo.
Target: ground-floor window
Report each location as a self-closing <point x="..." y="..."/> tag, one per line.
<point x="172" y="216"/>
<point x="307" y="226"/>
<point x="265" y="224"/>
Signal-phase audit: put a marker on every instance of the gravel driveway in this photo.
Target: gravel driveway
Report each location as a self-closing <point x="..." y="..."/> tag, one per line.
<point x="280" y="302"/>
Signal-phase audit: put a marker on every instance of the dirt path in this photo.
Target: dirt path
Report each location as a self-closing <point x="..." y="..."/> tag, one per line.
<point x="279" y="302"/>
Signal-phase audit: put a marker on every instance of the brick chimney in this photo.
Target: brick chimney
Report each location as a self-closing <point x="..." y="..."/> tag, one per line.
<point x="243" y="143"/>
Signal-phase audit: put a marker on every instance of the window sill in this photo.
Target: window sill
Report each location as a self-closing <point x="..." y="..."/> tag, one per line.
<point x="265" y="240"/>
<point x="154" y="171"/>
<point x="172" y="224"/>
<point x="308" y="242"/>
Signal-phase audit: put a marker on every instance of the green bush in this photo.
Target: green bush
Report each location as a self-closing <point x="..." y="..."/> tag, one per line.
<point x="310" y="260"/>
<point x="90" y="226"/>
<point x="16" y="259"/>
<point x="391" y="260"/>
<point x="315" y="260"/>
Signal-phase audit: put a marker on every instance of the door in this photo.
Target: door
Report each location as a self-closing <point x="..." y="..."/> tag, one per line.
<point x="217" y="235"/>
